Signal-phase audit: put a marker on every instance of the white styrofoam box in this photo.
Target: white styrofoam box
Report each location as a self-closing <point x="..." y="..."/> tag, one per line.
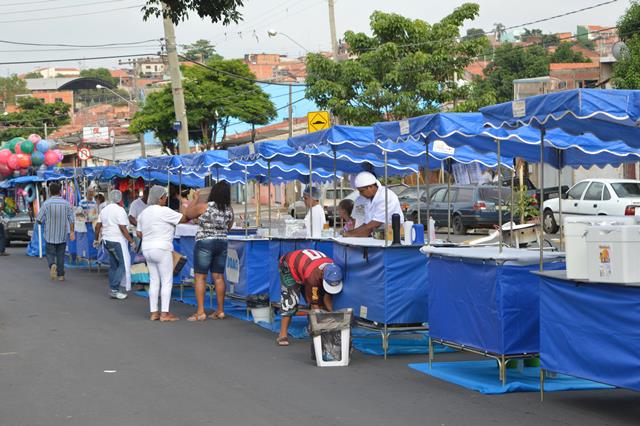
<point x="612" y="254"/>
<point x="575" y="228"/>
<point x="345" y="336"/>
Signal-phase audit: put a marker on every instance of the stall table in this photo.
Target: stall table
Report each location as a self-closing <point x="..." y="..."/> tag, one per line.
<point x="589" y="330"/>
<point x="486" y="302"/>
<point x="385" y="286"/>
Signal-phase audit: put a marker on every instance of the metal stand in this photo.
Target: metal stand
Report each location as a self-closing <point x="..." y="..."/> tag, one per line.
<point x="386" y="330"/>
<point x="502" y="359"/>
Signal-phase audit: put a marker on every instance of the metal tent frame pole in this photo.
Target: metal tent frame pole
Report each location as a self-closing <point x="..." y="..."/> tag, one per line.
<point x="499" y="200"/>
<point x="427" y="185"/>
<point x="246" y="203"/>
<point x="418" y="193"/>
<point x="541" y="200"/>
<point x="386" y="202"/>
<point x="335" y="190"/>
<point x="560" y="199"/>
<point x="269" y="192"/>
<point x="39" y="225"/>
<point x="448" y="162"/>
<point x="513" y="176"/>
<point x="310" y="197"/>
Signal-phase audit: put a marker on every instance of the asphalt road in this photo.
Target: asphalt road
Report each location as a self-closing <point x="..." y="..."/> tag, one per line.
<point x="57" y="340"/>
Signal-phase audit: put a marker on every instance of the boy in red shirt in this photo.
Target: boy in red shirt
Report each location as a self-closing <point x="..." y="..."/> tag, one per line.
<point x="320" y="278"/>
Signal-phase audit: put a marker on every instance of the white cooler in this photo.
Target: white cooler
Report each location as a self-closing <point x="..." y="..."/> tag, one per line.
<point x="612" y="254"/>
<point x="575" y="228"/>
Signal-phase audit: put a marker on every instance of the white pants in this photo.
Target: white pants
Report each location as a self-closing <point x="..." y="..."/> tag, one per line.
<point x="160" y="264"/>
<point x="126" y="279"/>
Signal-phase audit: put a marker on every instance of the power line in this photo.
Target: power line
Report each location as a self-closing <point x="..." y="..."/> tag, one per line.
<point x="48" y="18"/>
<point x="27" y="4"/>
<point x="77" y="59"/>
<point x="279" y="109"/>
<point x="76" y="49"/>
<point x="131" y="43"/>
<point x="73" y="6"/>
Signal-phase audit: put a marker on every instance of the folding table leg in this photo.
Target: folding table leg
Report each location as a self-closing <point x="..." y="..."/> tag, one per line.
<point x="430" y="352"/>
<point x="541" y="385"/>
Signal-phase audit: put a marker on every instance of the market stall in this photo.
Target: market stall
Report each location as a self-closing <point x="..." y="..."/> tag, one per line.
<point x="485" y="301"/>
<point x="589" y="330"/>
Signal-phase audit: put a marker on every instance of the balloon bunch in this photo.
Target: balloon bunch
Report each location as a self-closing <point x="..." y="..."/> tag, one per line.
<point x="19" y="154"/>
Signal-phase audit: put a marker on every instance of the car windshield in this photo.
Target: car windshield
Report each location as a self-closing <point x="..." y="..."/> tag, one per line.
<point x="491" y="194"/>
<point x="626" y="189"/>
<point x="398" y="189"/>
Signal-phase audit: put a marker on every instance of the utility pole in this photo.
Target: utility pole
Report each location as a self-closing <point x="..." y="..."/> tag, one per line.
<point x="176" y="83"/>
<point x="332" y="30"/>
<point x="135" y="98"/>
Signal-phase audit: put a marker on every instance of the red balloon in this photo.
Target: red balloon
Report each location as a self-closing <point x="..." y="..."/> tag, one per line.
<point x="12" y="162"/>
<point x="4" y="170"/>
<point x="17" y="148"/>
<point x="4" y="155"/>
<point x="24" y="161"/>
<point x="50" y="158"/>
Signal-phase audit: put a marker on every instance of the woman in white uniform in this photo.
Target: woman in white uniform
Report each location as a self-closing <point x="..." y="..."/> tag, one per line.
<point x="156" y="227"/>
<point x="112" y="226"/>
<point x="315" y="212"/>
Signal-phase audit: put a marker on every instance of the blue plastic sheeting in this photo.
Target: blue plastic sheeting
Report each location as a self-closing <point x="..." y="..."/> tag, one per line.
<point x="485" y="305"/>
<point x="185" y="245"/>
<point x="482" y="376"/>
<point x="35" y="244"/>
<point x="608" y="114"/>
<point x="385" y="285"/>
<point x="247" y="264"/>
<point x="591" y="331"/>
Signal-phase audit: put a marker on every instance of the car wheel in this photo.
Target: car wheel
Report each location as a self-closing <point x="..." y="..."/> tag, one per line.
<point x="458" y="226"/>
<point x="549" y="222"/>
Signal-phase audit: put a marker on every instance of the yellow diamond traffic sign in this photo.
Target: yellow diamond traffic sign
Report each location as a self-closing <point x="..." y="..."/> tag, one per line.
<point x="318" y="120"/>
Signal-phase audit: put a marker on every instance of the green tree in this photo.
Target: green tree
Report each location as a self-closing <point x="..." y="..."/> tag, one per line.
<point x="475" y="33"/>
<point x="101" y="74"/>
<point x="626" y="71"/>
<point x="479" y="93"/>
<point x="32" y="116"/>
<point x="200" y="50"/>
<point x="33" y="74"/>
<point x="533" y="35"/>
<point x="406" y="68"/>
<point x="514" y="62"/>
<point x="550" y="40"/>
<point x="10" y="87"/>
<point x="564" y="54"/>
<point x="225" y="11"/>
<point x="212" y="100"/>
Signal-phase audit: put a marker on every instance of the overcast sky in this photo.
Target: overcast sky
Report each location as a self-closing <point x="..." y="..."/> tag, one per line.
<point x="306" y="21"/>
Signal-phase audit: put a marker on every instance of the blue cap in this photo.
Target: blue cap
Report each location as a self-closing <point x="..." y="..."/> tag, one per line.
<point x="332" y="278"/>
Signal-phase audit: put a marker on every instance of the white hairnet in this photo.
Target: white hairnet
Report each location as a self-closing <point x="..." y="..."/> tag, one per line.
<point x="155" y="193"/>
<point x="365" y="179"/>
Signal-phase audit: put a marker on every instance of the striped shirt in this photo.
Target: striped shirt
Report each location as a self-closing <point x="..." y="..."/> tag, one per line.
<point x="57" y="215"/>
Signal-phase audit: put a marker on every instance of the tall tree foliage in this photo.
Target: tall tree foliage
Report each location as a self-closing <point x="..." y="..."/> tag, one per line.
<point x="32" y="116"/>
<point x="406" y="68"/>
<point x="626" y="72"/>
<point x="212" y="100"/>
<point x="225" y="11"/>
<point x="200" y="50"/>
<point x="564" y="54"/>
<point x="100" y="73"/>
<point x="10" y="87"/>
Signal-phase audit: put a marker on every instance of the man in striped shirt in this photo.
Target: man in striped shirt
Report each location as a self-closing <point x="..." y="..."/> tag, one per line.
<point x="57" y="215"/>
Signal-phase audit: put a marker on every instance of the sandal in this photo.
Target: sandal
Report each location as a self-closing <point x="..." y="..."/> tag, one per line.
<point x="166" y="316"/>
<point x="217" y="316"/>
<point x="155" y="316"/>
<point x="282" y="341"/>
<point x="197" y="317"/>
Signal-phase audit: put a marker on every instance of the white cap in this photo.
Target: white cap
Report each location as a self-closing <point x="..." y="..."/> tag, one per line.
<point x="365" y="179"/>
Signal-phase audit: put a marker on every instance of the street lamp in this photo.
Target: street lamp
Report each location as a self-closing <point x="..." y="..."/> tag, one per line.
<point x="273" y="33"/>
<point x="99" y="86"/>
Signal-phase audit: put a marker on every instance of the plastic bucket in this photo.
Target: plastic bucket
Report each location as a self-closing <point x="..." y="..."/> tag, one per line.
<point x="261" y="314"/>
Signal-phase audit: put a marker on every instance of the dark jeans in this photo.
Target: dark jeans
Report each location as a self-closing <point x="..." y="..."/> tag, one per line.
<point x="116" y="264"/>
<point x="3" y="241"/>
<point x="55" y="254"/>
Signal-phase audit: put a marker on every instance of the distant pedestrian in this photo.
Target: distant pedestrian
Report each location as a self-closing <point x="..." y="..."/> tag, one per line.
<point x="137" y="206"/>
<point x="102" y="203"/>
<point x="58" y="218"/>
<point x="112" y="225"/>
<point x="345" y="209"/>
<point x="156" y="227"/>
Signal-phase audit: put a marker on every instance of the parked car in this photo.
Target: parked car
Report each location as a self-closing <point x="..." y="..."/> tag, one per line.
<point x="471" y="207"/>
<point x="19" y="227"/>
<point x="533" y="191"/>
<point x="612" y="197"/>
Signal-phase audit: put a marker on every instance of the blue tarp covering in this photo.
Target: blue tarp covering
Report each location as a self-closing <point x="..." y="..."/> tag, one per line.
<point x="385" y="285"/>
<point x="591" y="331"/>
<point x="608" y="114"/>
<point x="248" y="264"/>
<point x="482" y="376"/>
<point x="485" y="305"/>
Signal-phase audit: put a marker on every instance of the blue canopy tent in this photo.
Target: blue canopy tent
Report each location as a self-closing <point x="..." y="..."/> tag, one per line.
<point x="609" y="115"/>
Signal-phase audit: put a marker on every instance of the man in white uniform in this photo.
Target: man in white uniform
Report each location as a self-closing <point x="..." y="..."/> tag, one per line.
<point x="372" y="196"/>
<point x="312" y="202"/>
<point x="137" y="206"/>
<point x="112" y="224"/>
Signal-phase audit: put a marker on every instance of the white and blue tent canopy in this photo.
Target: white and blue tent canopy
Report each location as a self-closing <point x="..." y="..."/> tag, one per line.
<point x="467" y="129"/>
<point x="608" y="114"/>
